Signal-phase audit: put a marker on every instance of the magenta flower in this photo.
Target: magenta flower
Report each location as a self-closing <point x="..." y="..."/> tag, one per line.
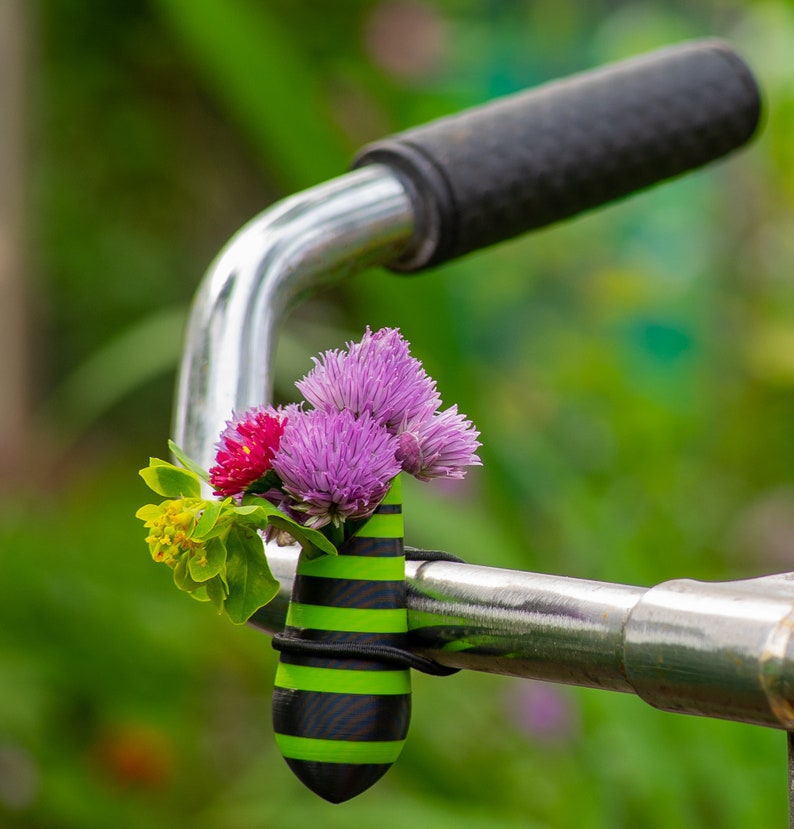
<point x="246" y="449"/>
<point x="377" y="376"/>
<point x="336" y="466"/>
<point x="438" y="445"/>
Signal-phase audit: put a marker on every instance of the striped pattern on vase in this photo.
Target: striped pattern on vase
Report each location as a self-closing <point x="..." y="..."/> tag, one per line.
<point x="340" y="723"/>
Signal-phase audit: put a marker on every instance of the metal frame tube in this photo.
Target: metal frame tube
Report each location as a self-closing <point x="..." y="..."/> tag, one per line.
<point x="722" y="650"/>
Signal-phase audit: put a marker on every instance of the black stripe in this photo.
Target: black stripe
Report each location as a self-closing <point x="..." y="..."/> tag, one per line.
<point x="349" y="717"/>
<point x="397" y="639"/>
<point x="372" y="547"/>
<point x="339" y="663"/>
<point x="337" y="782"/>
<point x="389" y="509"/>
<point x="354" y="593"/>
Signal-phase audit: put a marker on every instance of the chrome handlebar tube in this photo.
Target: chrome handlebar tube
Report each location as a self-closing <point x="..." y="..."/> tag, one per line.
<point x="303" y="242"/>
<point x="722" y="650"/>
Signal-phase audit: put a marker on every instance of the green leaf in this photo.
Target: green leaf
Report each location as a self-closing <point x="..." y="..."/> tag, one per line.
<point x="313" y="542"/>
<point x="169" y="480"/>
<point x="148" y="512"/>
<point x="187" y="462"/>
<point x="200" y="594"/>
<point x="258" y="506"/>
<point x="182" y="578"/>
<point x="216" y="593"/>
<point x="250" y="509"/>
<point x="207" y="521"/>
<point x="207" y="565"/>
<point x="251" y="584"/>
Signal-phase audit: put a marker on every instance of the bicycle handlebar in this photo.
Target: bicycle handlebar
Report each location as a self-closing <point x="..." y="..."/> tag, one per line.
<point x="447" y="188"/>
<point x="533" y="158"/>
<point x="713" y="649"/>
<point x="443" y="190"/>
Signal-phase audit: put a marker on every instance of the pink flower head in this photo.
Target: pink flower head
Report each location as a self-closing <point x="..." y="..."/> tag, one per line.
<point x="377" y="376"/>
<point x="336" y="466"/>
<point x="246" y="449"/>
<point x="438" y="445"/>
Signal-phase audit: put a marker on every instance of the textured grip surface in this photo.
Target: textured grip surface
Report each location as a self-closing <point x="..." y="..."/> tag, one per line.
<point x="533" y="158"/>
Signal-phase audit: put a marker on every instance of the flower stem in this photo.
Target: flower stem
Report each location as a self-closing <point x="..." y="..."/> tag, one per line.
<point x="336" y="534"/>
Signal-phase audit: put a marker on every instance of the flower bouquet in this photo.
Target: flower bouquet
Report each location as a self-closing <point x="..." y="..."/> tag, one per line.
<point x="324" y="474"/>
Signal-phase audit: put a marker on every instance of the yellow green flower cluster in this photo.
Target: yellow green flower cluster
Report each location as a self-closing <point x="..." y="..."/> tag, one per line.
<point x="215" y="548"/>
<point x="171" y="525"/>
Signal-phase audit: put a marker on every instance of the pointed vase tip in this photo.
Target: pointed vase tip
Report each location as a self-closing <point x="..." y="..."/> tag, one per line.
<point x="337" y="782"/>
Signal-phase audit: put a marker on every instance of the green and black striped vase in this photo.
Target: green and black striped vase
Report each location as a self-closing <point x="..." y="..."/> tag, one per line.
<point x="341" y="721"/>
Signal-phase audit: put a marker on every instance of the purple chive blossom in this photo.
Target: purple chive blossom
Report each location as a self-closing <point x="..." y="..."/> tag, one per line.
<point x="377" y="376"/>
<point x="438" y="445"/>
<point x="336" y="466"/>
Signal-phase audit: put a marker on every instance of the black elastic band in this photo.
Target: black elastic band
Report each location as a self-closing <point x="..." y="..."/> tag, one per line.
<point x="414" y="554"/>
<point x="352" y="650"/>
<point x="376" y="653"/>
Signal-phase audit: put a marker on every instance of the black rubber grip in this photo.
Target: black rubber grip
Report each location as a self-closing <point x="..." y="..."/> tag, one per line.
<point x="533" y="158"/>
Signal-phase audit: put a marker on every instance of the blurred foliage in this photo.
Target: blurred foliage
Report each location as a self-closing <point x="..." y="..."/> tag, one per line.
<point x="632" y="374"/>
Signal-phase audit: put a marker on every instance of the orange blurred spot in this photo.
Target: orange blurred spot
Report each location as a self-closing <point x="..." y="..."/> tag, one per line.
<point x="135" y="755"/>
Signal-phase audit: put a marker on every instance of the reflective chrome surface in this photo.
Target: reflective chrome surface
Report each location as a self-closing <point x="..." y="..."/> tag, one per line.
<point x="716" y="648"/>
<point x="720" y="650"/>
<point x="305" y="241"/>
<point x="523" y="624"/>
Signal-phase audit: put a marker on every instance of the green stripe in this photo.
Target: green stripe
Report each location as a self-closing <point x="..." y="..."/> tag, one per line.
<point x="352" y="619"/>
<point x="383" y="526"/>
<point x="394" y="495"/>
<point x="386" y="568"/>
<point x="338" y="751"/>
<point x="335" y="681"/>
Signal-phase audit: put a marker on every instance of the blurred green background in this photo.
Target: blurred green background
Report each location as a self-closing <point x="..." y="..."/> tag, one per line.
<point x="631" y="372"/>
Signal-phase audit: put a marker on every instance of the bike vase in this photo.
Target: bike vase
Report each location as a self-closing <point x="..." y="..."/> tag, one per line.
<point x="341" y="721"/>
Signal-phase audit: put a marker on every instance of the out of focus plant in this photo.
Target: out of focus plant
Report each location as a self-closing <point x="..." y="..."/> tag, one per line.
<point x="634" y="371"/>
